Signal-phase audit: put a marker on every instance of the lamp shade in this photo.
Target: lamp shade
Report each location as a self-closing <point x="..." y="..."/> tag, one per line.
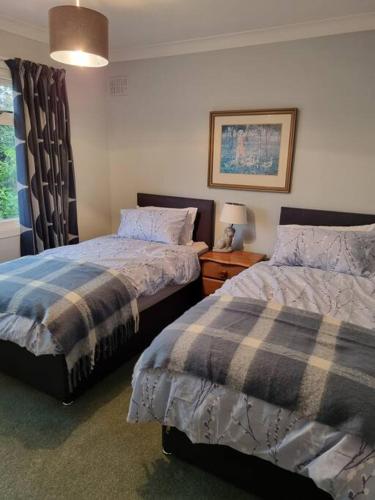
<point x="78" y="36"/>
<point x="234" y="213"/>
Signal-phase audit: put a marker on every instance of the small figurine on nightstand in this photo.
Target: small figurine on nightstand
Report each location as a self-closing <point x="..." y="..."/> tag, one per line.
<point x="232" y="213"/>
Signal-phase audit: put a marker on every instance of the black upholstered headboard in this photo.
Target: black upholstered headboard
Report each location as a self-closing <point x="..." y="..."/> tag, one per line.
<point x="204" y="223"/>
<point x="308" y="217"/>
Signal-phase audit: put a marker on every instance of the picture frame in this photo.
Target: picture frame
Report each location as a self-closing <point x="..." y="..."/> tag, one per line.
<point x="252" y="149"/>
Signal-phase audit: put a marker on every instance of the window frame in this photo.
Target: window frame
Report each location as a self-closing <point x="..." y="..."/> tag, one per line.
<point x="9" y="228"/>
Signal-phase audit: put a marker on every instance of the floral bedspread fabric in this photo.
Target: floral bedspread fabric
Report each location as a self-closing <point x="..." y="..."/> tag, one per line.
<point x="210" y="413"/>
<point x="149" y="266"/>
<point x="345" y="297"/>
<point x="340" y="464"/>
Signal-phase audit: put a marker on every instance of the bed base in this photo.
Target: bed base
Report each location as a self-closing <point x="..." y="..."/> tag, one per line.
<point x="256" y="476"/>
<point x="49" y="373"/>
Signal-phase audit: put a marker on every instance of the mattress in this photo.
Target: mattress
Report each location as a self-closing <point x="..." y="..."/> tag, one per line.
<point x="146" y="301"/>
<point x="211" y="413"/>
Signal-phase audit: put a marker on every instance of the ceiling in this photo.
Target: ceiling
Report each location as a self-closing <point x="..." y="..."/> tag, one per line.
<point x="180" y="26"/>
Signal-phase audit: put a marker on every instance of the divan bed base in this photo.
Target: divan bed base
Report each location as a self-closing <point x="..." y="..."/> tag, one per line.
<point x="256" y="476"/>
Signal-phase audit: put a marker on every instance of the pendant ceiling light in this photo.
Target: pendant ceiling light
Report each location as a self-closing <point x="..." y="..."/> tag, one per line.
<point x="78" y="36"/>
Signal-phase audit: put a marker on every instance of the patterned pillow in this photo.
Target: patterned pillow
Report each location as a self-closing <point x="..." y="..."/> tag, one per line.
<point x="366" y="228"/>
<point x="152" y="225"/>
<point x="349" y="252"/>
<point x="186" y="237"/>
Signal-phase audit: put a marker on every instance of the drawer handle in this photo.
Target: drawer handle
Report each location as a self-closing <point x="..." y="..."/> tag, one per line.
<point x="224" y="274"/>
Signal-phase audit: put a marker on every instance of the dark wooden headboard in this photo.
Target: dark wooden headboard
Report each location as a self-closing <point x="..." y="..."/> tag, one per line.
<point x="204" y="223"/>
<point x="308" y="217"/>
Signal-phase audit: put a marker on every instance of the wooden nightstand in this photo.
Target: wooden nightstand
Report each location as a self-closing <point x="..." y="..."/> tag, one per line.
<point x="217" y="267"/>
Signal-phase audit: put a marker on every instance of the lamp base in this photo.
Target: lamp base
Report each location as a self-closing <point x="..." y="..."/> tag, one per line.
<point x="223" y="250"/>
<point x="225" y="244"/>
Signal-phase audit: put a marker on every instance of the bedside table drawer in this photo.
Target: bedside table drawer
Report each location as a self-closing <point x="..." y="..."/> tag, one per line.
<point x="220" y="271"/>
<point x="210" y="285"/>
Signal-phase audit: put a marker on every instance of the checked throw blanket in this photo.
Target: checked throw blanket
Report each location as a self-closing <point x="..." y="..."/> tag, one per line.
<point x="317" y="366"/>
<point x="77" y="303"/>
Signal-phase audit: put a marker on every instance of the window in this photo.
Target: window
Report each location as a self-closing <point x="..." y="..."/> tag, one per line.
<point x="8" y="181"/>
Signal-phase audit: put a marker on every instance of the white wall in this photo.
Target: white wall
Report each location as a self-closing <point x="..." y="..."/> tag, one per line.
<point x="158" y="133"/>
<point x="88" y="108"/>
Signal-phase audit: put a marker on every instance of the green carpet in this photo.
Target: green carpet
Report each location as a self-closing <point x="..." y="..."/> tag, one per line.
<point x="88" y="450"/>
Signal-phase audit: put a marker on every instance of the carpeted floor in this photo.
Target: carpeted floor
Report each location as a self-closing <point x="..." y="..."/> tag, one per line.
<point x="88" y="450"/>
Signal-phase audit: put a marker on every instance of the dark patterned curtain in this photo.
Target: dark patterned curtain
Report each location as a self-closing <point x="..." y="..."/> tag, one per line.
<point x="45" y="169"/>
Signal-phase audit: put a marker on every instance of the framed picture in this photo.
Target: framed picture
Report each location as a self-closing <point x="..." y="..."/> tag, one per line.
<point x="252" y="149"/>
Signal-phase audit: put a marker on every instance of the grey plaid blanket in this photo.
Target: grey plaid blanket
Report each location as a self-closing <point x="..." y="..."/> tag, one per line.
<point x="319" y="367"/>
<point x="78" y="304"/>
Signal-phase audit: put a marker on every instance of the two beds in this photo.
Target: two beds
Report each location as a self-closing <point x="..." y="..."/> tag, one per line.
<point x="242" y="437"/>
<point x="165" y="281"/>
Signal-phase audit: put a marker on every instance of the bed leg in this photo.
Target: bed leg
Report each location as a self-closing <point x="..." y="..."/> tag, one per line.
<point x="68" y="403"/>
<point x="164" y="440"/>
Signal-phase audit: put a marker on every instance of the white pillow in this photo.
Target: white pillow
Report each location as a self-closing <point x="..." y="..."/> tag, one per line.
<point x="365" y="228"/>
<point x="152" y="225"/>
<point x="186" y="237"/>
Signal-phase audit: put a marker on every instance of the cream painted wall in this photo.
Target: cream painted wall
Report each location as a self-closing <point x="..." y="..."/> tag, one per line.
<point x="158" y="133"/>
<point x="88" y="108"/>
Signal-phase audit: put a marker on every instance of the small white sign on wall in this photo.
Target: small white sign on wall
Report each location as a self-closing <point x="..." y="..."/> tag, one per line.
<point x="118" y="86"/>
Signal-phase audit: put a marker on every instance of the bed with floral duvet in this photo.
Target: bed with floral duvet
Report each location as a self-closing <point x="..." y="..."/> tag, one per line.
<point x="278" y="363"/>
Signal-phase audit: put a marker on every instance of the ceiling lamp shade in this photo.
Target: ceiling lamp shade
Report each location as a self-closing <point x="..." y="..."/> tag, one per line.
<point x="78" y="36"/>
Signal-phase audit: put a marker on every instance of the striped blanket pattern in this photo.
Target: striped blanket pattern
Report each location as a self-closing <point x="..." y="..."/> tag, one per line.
<point x="78" y="303"/>
<point x="314" y="365"/>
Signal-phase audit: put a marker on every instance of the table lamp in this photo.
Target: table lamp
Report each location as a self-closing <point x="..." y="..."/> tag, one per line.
<point x="232" y="213"/>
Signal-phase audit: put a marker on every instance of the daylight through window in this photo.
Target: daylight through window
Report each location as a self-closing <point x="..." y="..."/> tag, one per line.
<point x="8" y="182"/>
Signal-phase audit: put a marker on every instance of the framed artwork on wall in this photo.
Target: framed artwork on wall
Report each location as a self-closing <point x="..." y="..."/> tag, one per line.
<point x="252" y="150"/>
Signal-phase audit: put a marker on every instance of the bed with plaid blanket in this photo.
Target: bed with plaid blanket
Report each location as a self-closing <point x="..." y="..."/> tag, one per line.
<point x="321" y="368"/>
<point x="76" y="304"/>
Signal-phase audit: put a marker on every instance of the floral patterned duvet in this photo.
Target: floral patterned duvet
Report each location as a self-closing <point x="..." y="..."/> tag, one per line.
<point x="339" y="463"/>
